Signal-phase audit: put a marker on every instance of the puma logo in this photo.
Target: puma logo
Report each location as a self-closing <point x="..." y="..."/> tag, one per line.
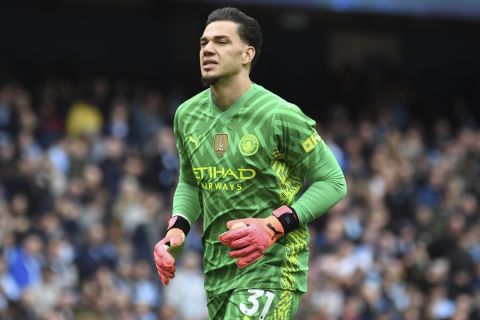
<point x="275" y="231"/>
<point x="191" y="139"/>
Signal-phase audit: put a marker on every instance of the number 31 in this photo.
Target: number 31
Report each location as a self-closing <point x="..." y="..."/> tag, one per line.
<point x="253" y="299"/>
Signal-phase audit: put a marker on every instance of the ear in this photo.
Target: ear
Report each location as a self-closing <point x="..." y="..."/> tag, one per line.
<point x="248" y="55"/>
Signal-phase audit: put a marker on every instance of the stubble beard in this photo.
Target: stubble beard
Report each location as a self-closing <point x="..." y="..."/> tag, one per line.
<point x="208" y="81"/>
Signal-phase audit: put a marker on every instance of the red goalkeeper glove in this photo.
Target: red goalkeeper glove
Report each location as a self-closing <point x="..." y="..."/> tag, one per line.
<point x="251" y="237"/>
<point x="166" y="249"/>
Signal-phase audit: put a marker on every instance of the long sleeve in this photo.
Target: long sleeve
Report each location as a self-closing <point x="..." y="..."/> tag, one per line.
<point x="327" y="187"/>
<point x="186" y="201"/>
<point x="308" y="155"/>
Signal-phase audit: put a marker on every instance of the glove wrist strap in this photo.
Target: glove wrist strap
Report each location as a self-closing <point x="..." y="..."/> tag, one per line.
<point x="288" y="218"/>
<point x="180" y="223"/>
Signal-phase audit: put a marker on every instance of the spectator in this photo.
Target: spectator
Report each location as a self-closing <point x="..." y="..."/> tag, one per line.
<point x="46" y="293"/>
<point x="95" y="253"/>
<point x="25" y="261"/>
<point x="84" y="119"/>
<point x="187" y="289"/>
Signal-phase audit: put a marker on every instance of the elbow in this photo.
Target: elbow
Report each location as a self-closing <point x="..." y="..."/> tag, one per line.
<point x="342" y="187"/>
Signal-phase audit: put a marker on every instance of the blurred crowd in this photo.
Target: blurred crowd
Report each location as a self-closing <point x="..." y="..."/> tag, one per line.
<point x="87" y="172"/>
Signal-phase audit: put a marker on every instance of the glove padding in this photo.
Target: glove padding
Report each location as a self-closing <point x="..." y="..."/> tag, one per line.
<point x="251" y="240"/>
<point x="164" y="261"/>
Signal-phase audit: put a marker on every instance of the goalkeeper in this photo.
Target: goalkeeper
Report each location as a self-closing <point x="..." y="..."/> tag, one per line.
<point x="244" y="155"/>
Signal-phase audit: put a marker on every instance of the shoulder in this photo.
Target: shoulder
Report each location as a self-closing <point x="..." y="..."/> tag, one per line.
<point x="282" y="110"/>
<point x="198" y="101"/>
<point x="267" y="95"/>
<point x="272" y="103"/>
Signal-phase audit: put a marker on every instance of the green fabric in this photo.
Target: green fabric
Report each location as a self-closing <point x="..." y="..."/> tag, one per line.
<point x="245" y="304"/>
<point x="269" y="147"/>
<point x="327" y="188"/>
<point x="186" y="201"/>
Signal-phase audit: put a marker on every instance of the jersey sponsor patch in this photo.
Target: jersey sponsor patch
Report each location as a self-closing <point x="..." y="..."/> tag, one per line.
<point x="220" y="143"/>
<point x="311" y="142"/>
<point x="248" y="144"/>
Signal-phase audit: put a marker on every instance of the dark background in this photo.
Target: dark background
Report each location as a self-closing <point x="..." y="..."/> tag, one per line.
<point x="304" y="49"/>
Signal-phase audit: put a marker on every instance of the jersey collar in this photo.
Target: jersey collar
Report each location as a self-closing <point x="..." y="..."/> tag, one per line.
<point x="236" y="106"/>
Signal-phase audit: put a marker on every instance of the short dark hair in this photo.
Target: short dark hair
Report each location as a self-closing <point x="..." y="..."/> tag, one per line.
<point x="249" y="29"/>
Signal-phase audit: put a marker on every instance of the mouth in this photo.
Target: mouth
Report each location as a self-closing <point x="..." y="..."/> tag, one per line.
<point x="209" y="64"/>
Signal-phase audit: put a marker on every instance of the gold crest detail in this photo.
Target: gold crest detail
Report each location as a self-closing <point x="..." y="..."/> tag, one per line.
<point x="220" y="144"/>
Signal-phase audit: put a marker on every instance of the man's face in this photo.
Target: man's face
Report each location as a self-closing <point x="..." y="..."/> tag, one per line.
<point x="222" y="52"/>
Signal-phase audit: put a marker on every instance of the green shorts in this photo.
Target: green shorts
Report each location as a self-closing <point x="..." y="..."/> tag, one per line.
<point x="245" y="304"/>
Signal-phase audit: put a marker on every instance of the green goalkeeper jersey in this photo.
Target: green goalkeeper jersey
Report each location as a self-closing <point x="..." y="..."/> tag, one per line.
<point x="245" y="162"/>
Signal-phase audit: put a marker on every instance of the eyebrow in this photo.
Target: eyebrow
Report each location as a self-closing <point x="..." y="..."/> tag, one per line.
<point x="216" y="37"/>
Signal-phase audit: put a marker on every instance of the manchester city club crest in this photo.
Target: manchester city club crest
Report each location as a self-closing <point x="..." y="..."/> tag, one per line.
<point x="248" y="144"/>
<point x="220" y="143"/>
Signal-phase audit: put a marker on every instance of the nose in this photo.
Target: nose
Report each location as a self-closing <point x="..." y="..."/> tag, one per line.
<point x="208" y="49"/>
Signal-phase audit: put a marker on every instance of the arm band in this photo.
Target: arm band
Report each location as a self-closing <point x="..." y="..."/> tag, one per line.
<point x="180" y="223"/>
<point x="288" y="218"/>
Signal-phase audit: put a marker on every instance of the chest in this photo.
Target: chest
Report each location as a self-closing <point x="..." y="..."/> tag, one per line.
<point x="228" y="149"/>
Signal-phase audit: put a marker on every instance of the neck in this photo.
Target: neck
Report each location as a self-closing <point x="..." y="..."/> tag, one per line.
<point x="226" y="91"/>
